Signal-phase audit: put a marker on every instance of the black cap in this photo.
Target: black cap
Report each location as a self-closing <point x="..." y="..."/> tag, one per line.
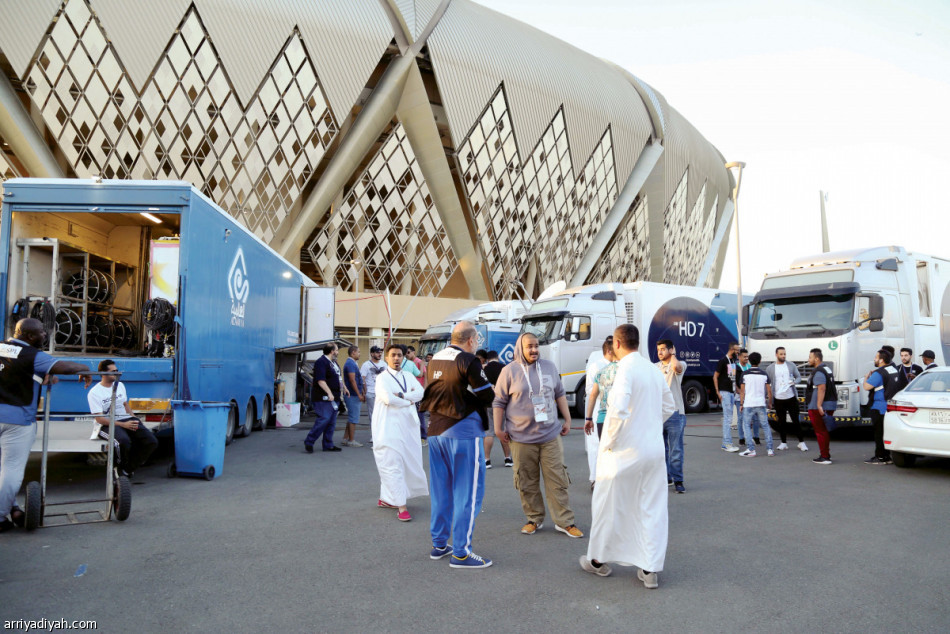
<point x="928" y="354"/>
<point x="375" y="349"/>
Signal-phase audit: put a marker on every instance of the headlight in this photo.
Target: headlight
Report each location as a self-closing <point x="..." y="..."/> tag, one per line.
<point x="844" y="397"/>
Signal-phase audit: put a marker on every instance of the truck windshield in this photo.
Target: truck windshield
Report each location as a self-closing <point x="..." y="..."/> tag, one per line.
<point x="546" y="328"/>
<point x="802" y="317"/>
<point x="431" y="346"/>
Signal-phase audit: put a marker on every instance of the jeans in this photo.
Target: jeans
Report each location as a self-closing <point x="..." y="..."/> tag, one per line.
<point x="728" y="400"/>
<point x="352" y="409"/>
<point x="423" y="422"/>
<point x="788" y="406"/>
<point x="15" y="444"/>
<point x="325" y="424"/>
<point x="756" y="415"/>
<point x="821" y="431"/>
<point x="673" y="430"/>
<point x="370" y="405"/>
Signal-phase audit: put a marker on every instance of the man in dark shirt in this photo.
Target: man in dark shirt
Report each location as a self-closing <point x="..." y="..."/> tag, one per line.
<point x="927" y="356"/>
<point x="724" y="382"/>
<point x="325" y="398"/>
<point x="492" y="371"/>
<point x="457" y="393"/>
<point x="908" y="368"/>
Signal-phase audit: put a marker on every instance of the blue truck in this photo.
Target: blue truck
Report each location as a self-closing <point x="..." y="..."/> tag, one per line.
<point x="152" y="274"/>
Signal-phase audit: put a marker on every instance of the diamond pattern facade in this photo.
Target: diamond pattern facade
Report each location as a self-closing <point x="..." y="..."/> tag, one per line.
<point x="626" y="258"/>
<point x="685" y="245"/>
<point x="387" y="228"/>
<point x="187" y="122"/>
<point x="536" y="207"/>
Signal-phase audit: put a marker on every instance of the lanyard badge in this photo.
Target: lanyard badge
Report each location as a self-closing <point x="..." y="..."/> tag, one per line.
<point x="402" y="384"/>
<point x="541" y="413"/>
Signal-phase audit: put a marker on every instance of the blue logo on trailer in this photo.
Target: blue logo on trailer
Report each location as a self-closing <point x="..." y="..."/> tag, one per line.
<point x="507" y="354"/>
<point x="701" y="334"/>
<point x="239" y="288"/>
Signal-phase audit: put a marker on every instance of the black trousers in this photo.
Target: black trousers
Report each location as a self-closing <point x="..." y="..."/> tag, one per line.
<point x="133" y="447"/>
<point x="877" y="421"/>
<point x="788" y="407"/>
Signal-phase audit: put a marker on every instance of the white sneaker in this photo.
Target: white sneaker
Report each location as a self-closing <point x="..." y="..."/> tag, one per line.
<point x="771" y="454"/>
<point x="803" y="446"/>
<point x="587" y="566"/>
<point x="353" y="443"/>
<point x="649" y="579"/>
<point x="730" y="448"/>
<point x="782" y="447"/>
<point x="748" y="453"/>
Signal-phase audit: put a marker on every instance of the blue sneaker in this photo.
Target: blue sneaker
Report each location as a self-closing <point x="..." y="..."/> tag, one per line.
<point x="439" y="553"/>
<point x="471" y="560"/>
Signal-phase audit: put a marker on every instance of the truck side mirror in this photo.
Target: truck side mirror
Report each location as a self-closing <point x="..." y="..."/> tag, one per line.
<point x="745" y="316"/>
<point x="876" y="326"/>
<point x="875" y="308"/>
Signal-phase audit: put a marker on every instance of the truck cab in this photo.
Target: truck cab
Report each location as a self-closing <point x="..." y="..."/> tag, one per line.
<point x="849" y="304"/>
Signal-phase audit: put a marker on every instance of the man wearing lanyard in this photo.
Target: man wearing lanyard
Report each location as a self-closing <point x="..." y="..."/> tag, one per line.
<point x="525" y="416"/>
<point x="370" y="370"/>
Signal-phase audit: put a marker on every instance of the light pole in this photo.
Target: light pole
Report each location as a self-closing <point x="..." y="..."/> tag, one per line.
<point x="736" y="166"/>
<point x="357" y="268"/>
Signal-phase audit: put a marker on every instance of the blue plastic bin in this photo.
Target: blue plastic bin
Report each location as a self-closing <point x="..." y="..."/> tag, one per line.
<point x="200" y="429"/>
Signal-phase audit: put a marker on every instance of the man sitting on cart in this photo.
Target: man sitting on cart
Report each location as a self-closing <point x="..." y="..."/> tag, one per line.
<point x="134" y="442"/>
<point x="22" y="366"/>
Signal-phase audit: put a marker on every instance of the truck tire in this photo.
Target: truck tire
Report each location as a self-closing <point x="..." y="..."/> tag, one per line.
<point x="34" y="506"/>
<point x="249" y="419"/>
<point x="580" y="399"/>
<point x="267" y="413"/>
<point x="694" y="397"/>
<point x="232" y="425"/>
<point x="903" y="460"/>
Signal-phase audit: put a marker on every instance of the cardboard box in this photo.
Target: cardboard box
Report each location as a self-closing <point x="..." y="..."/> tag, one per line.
<point x="288" y="414"/>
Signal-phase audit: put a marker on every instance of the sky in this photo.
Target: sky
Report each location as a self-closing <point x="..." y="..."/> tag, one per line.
<point x="848" y="97"/>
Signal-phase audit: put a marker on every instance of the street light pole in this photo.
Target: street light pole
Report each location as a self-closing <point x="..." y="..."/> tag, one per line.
<point x="737" y="166"/>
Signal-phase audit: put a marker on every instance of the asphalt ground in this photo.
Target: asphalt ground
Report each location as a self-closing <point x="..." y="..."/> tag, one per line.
<point x="289" y="541"/>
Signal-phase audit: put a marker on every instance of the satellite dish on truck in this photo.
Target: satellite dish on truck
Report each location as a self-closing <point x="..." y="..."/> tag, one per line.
<point x="552" y="290"/>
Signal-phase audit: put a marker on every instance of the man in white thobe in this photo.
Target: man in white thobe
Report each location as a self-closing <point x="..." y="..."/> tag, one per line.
<point x="396" y="444"/>
<point x="629" y="505"/>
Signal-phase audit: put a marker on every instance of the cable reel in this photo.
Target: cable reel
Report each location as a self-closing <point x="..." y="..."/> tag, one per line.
<point x="68" y="327"/>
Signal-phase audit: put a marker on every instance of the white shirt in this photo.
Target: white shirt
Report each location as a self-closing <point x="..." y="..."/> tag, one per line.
<point x="100" y="399"/>
<point x="784" y="388"/>
<point x="754" y="381"/>
<point x="370" y="370"/>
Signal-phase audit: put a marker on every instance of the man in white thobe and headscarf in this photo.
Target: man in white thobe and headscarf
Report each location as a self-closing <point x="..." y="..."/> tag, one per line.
<point x="396" y="444"/>
<point x="629" y="506"/>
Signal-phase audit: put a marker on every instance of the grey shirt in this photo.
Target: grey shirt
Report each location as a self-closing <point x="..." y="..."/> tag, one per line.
<point x="513" y="395"/>
<point x="828" y="406"/>
<point x="675" y="381"/>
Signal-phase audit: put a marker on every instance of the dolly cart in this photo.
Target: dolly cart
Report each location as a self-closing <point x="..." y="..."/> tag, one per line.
<point x="118" y="500"/>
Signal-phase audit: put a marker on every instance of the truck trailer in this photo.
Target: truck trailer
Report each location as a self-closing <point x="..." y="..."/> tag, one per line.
<point x="497" y="325"/>
<point x="153" y="275"/>
<point x="849" y="304"/>
<point x="572" y="324"/>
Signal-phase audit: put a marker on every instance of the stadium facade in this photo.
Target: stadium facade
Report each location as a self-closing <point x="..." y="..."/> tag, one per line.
<point x="427" y="147"/>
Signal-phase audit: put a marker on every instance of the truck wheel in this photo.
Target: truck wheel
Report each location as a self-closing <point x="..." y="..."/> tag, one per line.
<point x="249" y="418"/>
<point x="902" y="460"/>
<point x="122" y="501"/>
<point x="580" y="399"/>
<point x="694" y="397"/>
<point x="232" y="425"/>
<point x="172" y="470"/>
<point x="267" y="412"/>
<point x="34" y="506"/>
<point x="208" y="472"/>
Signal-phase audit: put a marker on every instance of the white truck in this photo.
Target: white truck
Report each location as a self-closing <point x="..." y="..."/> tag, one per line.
<point x="497" y="325"/>
<point x="849" y="304"/>
<point x="701" y="322"/>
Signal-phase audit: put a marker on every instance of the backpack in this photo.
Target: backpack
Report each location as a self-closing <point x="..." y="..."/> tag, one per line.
<point x="831" y="390"/>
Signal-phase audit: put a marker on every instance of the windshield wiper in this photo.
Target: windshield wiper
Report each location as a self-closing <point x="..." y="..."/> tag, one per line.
<point x="823" y="330"/>
<point x="775" y="328"/>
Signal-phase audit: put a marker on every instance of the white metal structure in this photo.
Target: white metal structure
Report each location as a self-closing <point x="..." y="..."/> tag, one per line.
<point x="917" y="422"/>
<point x="849" y="304"/>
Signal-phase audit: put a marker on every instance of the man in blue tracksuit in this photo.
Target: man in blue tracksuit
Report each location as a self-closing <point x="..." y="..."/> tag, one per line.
<point x="456" y="395"/>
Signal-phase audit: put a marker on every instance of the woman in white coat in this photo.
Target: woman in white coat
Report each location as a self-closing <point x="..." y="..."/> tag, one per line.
<point x="396" y="444"/>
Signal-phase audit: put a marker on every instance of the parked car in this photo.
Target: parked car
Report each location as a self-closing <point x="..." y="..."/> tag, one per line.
<point x="917" y="422"/>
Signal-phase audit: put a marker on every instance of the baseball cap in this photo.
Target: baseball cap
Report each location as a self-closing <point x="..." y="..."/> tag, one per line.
<point x="375" y="349"/>
<point x="929" y="354"/>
